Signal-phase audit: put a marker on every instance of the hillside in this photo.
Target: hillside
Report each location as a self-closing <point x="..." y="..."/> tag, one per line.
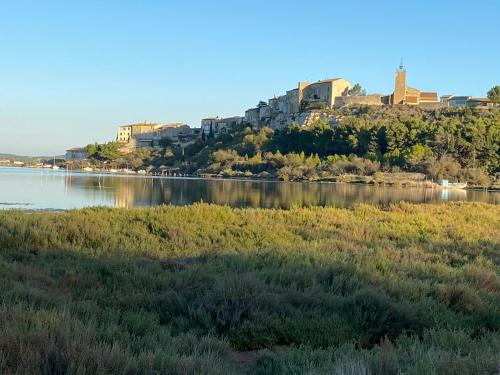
<point x="27" y="159"/>
<point x="365" y="141"/>
<point x="215" y="290"/>
<point x="359" y="143"/>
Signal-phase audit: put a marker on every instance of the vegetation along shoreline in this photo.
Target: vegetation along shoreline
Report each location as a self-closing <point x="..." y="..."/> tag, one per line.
<point x="398" y="144"/>
<point x="379" y="144"/>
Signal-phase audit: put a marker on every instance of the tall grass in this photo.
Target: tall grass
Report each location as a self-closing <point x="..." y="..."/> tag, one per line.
<point x="411" y="288"/>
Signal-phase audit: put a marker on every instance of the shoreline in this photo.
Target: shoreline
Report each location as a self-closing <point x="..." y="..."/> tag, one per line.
<point x="353" y="179"/>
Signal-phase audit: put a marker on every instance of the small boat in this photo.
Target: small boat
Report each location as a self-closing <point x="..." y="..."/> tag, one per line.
<point x="445" y="184"/>
<point x="54" y="165"/>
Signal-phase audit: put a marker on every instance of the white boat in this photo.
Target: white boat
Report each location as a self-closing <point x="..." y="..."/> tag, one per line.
<point x="445" y="184"/>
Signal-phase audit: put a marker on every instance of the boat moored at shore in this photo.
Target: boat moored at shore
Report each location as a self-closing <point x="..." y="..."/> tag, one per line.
<point x="445" y="184"/>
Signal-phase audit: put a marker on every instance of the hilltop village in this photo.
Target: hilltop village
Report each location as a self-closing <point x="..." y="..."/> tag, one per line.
<point x="303" y="105"/>
<point x="330" y="130"/>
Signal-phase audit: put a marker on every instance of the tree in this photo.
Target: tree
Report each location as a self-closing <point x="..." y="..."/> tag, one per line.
<point x="357" y="90"/>
<point x="446" y="167"/>
<point x="211" y="132"/>
<point x="109" y="151"/>
<point x="494" y="94"/>
<point x="476" y="176"/>
<point x="417" y="156"/>
<point x="91" y="149"/>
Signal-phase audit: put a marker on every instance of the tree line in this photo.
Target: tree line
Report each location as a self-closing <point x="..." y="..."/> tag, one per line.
<point x="452" y="143"/>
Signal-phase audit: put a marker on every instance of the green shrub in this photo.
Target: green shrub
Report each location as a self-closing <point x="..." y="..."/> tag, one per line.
<point x="408" y="288"/>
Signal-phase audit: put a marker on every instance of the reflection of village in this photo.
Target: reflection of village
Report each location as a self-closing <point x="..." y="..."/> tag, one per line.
<point x="143" y="192"/>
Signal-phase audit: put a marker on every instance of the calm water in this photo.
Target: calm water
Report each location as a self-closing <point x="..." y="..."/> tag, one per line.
<point x="47" y="189"/>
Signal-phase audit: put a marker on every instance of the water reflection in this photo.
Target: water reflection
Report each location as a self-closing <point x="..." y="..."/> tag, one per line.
<point x="49" y="189"/>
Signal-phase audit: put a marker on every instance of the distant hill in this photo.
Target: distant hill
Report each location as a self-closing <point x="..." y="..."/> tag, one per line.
<point x="27" y="159"/>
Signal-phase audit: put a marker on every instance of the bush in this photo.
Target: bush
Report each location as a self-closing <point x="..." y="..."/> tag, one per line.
<point x="412" y="288"/>
<point x="444" y="168"/>
<point x="476" y="176"/>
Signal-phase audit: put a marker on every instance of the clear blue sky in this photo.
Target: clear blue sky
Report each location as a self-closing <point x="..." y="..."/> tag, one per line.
<point x="72" y="71"/>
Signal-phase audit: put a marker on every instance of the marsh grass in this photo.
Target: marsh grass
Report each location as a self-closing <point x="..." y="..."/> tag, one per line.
<point x="410" y="288"/>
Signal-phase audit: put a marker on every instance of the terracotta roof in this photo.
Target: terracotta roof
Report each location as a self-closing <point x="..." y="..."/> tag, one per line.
<point x="141" y="124"/>
<point x="479" y="100"/>
<point x="174" y="125"/>
<point x="460" y="97"/>
<point x="429" y="96"/>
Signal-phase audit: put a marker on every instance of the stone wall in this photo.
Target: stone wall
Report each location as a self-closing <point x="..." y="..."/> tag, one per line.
<point x="373" y="99"/>
<point x="324" y="93"/>
<point x="430" y="105"/>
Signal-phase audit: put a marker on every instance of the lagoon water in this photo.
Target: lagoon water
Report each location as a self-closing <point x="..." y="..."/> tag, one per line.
<point x="27" y="188"/>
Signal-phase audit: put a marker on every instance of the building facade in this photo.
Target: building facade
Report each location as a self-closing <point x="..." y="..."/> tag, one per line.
<point x="404" y="94"/>
<point x="252" y="117"/>
<point x="149" y="134"/>
<point x="480" y="103"/>
<point x="208" y="125"/>
<point x="323" y="94"/>
<point x="75" y="153"/>
<point x="466" y="101"/>
<point x="217" y="125"/>
<point x="128" y="132"/>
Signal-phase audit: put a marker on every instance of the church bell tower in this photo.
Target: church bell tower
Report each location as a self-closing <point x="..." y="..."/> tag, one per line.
<point x="400" y="85"/>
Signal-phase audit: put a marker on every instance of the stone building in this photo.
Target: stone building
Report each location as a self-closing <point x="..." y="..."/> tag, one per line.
<point x="225" y="124"/>
<point x="458" y="101"/>
<point x="284" y="110"/>
<point x="274" y="106"/>
<point x="218" y="125"/>
<point x="323" y="94"/>
<point x="76" y="153"/>
<point x="127" y="132"/>
<point x="293" y="101"/>
<point x="404" y="94"/>
<point x="466" y="101"/>
<point x="480" y="103"/>
<point x="252" y="117"/>
<point x="149" y="134"/>
<point x="208" y="125"/>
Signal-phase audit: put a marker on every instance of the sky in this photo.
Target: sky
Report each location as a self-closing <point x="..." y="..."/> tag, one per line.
<point x="72" y="71"/>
